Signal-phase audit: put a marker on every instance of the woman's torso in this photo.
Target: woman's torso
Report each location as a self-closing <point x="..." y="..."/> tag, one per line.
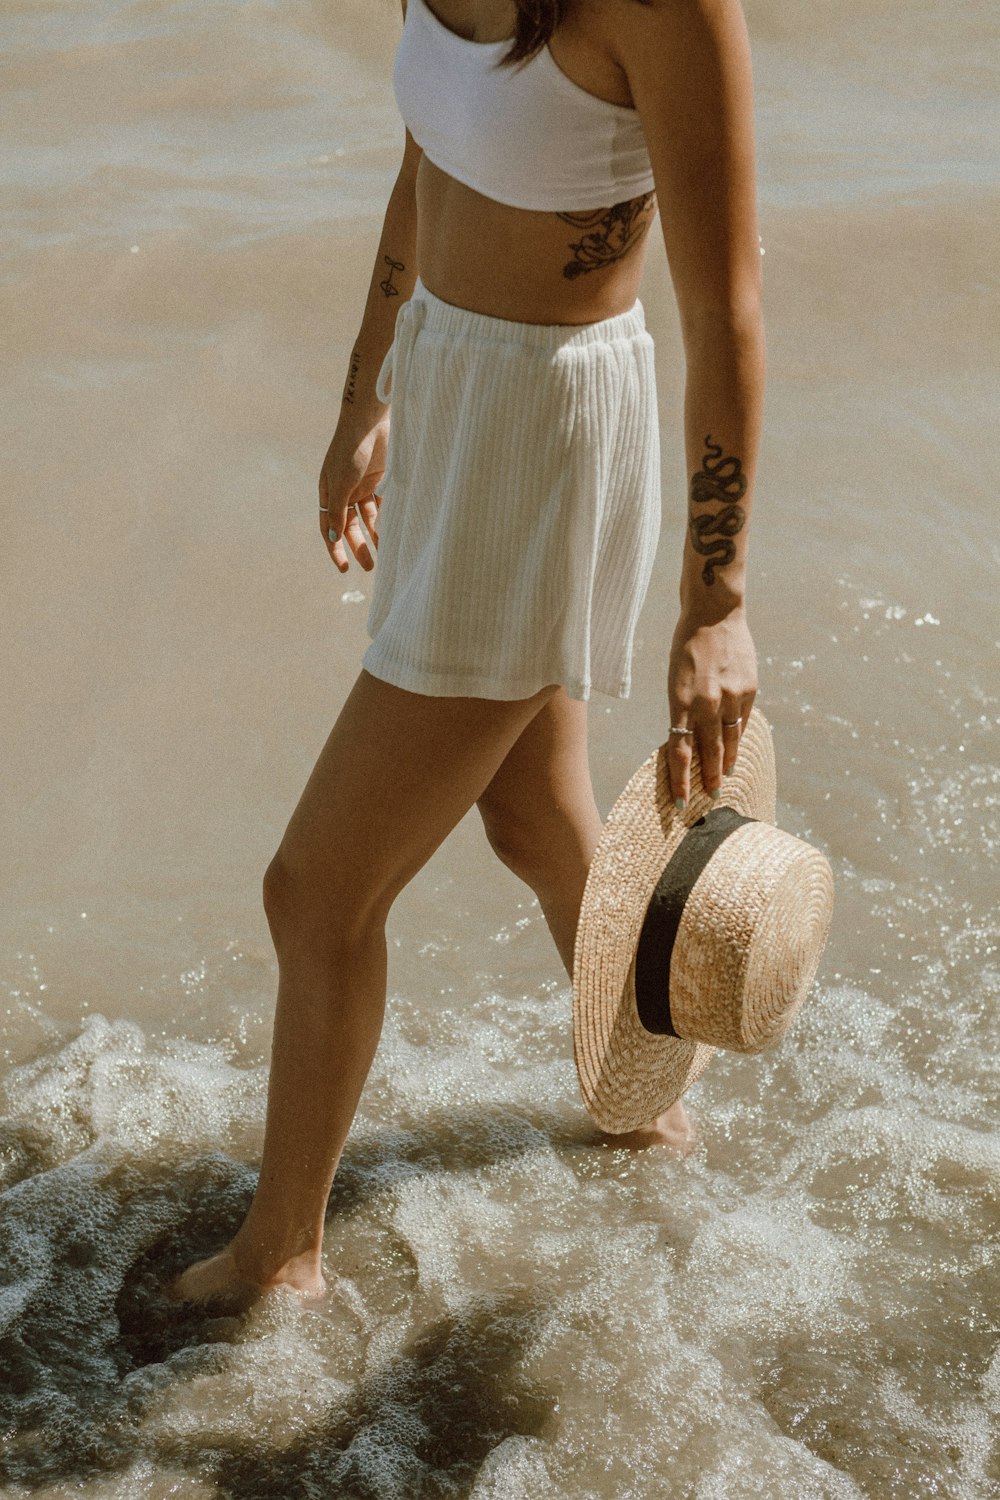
<point x="535" y="266"/>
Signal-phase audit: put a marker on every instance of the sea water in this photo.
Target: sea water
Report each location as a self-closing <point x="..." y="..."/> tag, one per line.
<point x="806" y="1306"/>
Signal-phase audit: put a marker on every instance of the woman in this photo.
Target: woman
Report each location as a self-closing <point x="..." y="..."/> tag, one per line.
<point x="519" y="511"/>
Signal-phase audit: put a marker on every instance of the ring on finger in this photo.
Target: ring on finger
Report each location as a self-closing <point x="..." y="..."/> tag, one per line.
<point x="735" y="724"/>
<point x="680" y="729"/>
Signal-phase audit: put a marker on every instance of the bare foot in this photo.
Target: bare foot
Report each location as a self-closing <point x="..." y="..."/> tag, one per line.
<point x="674" y="1128"/>
<point x="220" y="1282"/>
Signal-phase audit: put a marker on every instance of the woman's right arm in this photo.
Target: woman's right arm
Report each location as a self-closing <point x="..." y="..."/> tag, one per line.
<point x="355" y="459"/>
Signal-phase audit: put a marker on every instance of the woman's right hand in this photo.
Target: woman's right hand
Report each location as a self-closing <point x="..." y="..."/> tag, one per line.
<point x="353" y="466"/>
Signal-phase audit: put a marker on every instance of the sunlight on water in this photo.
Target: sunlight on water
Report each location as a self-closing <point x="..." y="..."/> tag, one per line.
<point x="805" y="1308"/>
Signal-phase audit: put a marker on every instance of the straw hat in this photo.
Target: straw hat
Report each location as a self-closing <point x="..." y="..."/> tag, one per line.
<point x="698" y="929"/>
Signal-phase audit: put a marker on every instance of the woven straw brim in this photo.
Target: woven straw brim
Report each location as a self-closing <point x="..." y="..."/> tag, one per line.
<point x="628" y="1075"/>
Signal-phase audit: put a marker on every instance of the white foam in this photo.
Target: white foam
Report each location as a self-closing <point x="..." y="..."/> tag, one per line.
<point x="487" y="1242"/>
<point x="109" y="1083"/>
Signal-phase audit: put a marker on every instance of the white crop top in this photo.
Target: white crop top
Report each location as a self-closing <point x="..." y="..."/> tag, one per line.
<point x="524" y="135"/>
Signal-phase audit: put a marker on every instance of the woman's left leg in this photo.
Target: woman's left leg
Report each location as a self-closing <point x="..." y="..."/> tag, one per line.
<point x="543" y="823"/>
<point x="396" y="774"/>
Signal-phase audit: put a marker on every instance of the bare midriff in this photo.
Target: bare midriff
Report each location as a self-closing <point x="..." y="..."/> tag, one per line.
<point x="531" y="266"/>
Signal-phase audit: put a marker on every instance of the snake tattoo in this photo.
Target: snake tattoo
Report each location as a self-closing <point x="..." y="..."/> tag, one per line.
<point x="719" y="478"/>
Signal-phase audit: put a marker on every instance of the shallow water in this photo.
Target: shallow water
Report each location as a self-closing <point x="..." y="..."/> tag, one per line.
<point x="804" y="1308"/>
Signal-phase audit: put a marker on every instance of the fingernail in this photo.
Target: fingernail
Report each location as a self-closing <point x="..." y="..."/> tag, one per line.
<point x="715" y="793"/>
<point x="680" y="804"/>
<point x="332" y="534"/>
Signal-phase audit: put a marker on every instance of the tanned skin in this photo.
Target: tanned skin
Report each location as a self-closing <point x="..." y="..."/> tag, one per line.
<point x="719" y="478"/>
<point x="611" y="234"/>
<point x="401" y="769"/>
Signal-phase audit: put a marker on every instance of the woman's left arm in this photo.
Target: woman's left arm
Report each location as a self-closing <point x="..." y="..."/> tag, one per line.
<point x="688" y="67"/>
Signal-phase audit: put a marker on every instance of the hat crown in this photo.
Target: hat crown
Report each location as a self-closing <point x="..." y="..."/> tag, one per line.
<point x="750" y="939"/>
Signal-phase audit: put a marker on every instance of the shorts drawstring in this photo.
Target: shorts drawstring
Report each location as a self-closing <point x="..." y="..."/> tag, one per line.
<point x="408" y="320"/>
<point x="408" y="323"/>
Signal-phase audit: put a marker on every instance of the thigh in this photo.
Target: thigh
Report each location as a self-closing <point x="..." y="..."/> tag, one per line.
<point x="396" y="774"/>
<point x="542" y="790"/>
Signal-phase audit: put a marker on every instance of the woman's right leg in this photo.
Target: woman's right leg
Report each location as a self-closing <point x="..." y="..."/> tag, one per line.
<point x="542" y="820"/>
<point x="397" y="773"/>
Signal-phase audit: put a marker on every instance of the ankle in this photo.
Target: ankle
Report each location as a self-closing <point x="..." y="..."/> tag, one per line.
<point x="270" y="1262"/>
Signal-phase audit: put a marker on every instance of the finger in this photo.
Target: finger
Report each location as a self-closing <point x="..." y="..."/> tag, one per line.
<point x="332" y="527"/>
<point x="326" y="514"/>
<point x="732" y="728"/>
<point x="355" y="539"/>
<point x="679" y="763"/>
<point x="708" y="734"/>
<point x="368" y="511"/>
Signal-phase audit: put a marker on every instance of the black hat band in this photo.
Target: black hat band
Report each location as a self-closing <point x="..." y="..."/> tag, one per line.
<point x="666" y="907"/>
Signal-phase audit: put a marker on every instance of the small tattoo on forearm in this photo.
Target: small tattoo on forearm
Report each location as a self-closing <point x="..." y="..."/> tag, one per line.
<point x="719" y="478"/>
<point x="611" y="233"/>
<point x="386" y="285"/>
<point x="352" y="377"/>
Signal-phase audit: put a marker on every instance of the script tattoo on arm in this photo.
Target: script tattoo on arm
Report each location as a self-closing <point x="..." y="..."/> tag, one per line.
<point x="389" y="288"/>
<point x="610" y="233"/>
<point x="719" y="478"/>
<point x="352" y="377"/>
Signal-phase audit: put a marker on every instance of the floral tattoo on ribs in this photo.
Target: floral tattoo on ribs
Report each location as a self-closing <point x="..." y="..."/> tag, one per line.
<point x="720" y="477"/>
<point x="610" y="234"/>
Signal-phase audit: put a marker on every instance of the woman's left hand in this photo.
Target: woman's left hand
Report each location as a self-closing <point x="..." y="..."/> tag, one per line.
<point x="711" y="686"/>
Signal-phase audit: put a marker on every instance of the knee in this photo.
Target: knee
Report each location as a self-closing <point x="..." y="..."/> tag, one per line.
<point x="536" y="848"/>
<point x="308" y="906"/>
<point x="501" y="837"/>
<point x="277" y="893"/>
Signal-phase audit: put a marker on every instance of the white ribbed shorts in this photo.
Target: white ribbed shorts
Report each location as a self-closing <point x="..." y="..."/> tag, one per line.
<point x="520" y="504"/>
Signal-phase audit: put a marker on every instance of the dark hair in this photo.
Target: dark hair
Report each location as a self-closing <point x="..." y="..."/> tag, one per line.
<point x="536" y="21"/>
